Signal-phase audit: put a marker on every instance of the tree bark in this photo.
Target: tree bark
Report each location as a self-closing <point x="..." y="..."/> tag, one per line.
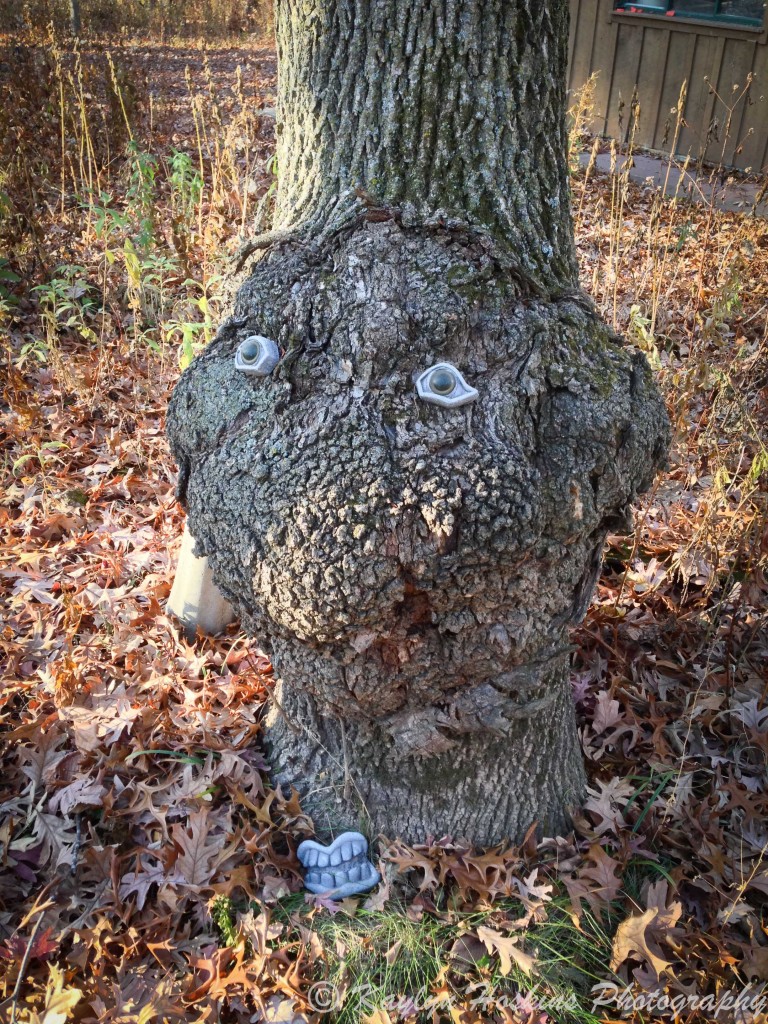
<point x="74" y="17"/>
<point x="451" y="107"/>
<point x="414" y="569"/>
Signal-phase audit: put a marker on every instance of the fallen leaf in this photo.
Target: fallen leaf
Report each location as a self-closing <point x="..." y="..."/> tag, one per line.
<point x="506" y="947"/>
<point x="631" y="940"/>
<point x="59" y="1002"/>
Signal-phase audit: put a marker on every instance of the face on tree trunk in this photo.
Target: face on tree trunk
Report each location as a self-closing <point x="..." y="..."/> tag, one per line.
<point x="413" y="566"/>
<point x="403" y="558"/>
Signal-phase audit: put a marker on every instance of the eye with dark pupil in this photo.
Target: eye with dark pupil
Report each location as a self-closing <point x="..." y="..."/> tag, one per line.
<point x="442" y="382"/>
<point x="249" y="351"/>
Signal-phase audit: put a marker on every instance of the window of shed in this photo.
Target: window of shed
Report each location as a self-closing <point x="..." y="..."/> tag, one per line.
<point x="735" y="12"/>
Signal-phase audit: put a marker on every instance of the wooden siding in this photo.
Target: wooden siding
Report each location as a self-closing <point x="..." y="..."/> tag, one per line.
<point x="657" y="55"/>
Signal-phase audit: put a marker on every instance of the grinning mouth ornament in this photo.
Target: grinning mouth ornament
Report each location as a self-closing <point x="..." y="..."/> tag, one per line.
<point x="339" y="870"/>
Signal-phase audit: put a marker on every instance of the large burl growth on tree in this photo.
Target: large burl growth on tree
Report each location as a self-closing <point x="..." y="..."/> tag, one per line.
<point x="412" y="568"/>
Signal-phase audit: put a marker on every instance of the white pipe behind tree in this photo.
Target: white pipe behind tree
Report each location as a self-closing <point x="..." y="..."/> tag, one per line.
<point x="195" y="599"/>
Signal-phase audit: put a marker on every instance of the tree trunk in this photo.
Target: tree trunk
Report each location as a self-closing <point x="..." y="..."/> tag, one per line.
<point x="414" y="568"/>
<point x="453" y="108"/>
<point x="74" y="17"/>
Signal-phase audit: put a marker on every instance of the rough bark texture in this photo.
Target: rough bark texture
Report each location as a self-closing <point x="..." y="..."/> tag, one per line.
<point x="74" y="17"/>
<point x="413" y="569"/>
<point x="450" y="105"/>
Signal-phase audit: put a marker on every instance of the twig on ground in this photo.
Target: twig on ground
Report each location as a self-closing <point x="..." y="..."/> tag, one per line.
<point x="22" y="969"/>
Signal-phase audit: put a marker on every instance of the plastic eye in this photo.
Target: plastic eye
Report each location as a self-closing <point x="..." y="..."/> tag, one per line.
<point x="257" y="355"/>
<point x="442" y="384"/>
<point x="250" y="350"/>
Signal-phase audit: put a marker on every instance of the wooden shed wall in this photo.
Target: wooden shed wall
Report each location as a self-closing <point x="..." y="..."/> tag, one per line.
<point x="658" y="55"/>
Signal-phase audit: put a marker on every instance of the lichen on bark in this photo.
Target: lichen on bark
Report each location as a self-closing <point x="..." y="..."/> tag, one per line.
<point x="414" y="570"/>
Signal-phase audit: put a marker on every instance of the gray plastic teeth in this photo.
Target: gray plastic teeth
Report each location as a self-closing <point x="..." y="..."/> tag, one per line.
<point x="340" y="869"/>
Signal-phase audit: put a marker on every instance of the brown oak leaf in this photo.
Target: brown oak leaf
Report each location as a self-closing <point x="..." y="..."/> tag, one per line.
<point x="506" y="947"/>
<point x="631" y="940"/>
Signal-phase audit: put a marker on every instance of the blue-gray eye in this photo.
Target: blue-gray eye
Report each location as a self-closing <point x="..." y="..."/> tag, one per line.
<point x="257" y="355"/>
<point x="250" y="350"/>
<point x="442" y="384"/>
